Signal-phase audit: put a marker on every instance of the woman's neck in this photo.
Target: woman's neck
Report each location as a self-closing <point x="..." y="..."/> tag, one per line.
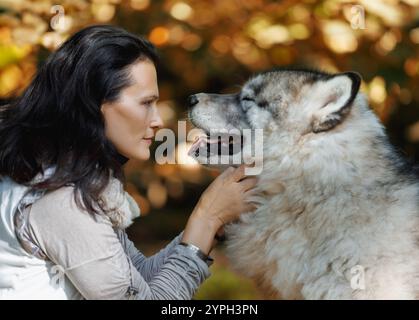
<point x="121" y="158"/>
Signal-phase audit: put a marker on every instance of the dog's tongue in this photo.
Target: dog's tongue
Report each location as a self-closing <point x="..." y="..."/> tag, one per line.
<point x="200" y="142"/>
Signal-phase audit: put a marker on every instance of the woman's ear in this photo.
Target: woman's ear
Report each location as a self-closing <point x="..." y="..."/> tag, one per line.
<point x="332" y="100"/>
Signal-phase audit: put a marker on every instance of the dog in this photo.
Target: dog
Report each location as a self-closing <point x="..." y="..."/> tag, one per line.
<point x="338" y="211"/>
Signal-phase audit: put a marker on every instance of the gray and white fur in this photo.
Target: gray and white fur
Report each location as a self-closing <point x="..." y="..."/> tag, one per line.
<point x="337" y="205"/>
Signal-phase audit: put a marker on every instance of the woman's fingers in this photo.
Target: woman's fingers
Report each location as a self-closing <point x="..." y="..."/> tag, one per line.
<point x="228" y="172"/>
<point x="248" y="183"/>
<point x="239" y="173"/>
<point x="228" y="196"/>
<point x="249" y="206"/>
<point x="248" y="198"/>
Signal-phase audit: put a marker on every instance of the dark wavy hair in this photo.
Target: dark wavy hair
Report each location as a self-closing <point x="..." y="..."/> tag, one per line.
<point x="57" y="121"/>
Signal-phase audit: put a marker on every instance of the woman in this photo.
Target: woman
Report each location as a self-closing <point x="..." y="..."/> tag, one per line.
<point x="63" y="143"/>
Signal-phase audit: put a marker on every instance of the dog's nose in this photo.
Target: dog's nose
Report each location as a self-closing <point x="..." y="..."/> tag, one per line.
<point x="192" y="100"/>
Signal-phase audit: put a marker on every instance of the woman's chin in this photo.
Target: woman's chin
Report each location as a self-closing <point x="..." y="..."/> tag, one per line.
<point x="139" y="151"/>
<point x="141" y="155"/>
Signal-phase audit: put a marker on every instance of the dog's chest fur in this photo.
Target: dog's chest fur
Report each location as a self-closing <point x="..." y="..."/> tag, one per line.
<point x="310" y="245"/>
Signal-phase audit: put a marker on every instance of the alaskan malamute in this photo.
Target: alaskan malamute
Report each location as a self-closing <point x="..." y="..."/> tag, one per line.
<point x="338" y="214"/>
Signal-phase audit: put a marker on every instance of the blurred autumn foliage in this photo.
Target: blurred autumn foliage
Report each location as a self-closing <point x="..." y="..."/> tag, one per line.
<point x="214" y="46"/>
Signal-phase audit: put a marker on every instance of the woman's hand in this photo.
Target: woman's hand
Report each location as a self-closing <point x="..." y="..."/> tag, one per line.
<point x="227" y="197"/>
<point x="224" y="200"/>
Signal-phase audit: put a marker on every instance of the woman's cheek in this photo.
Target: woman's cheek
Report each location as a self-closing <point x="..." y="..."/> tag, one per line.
<point x="141" y="124"/>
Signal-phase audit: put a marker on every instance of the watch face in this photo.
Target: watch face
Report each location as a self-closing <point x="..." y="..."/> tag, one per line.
<point x="196" y="250"/>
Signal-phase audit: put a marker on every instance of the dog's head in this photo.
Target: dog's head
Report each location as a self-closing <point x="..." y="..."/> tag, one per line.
<point x="285" y="104"/>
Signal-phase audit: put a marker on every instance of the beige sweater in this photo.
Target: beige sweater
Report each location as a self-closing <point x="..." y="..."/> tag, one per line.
<point x="99" y="259"/>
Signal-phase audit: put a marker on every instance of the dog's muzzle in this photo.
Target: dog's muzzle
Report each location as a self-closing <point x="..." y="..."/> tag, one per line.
<point x="218" y="144"/>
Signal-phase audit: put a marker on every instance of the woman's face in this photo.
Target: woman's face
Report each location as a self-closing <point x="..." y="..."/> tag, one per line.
<point x="131" y="120"/>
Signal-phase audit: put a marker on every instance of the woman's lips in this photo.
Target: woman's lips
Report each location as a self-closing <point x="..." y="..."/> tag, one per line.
<point x="148" y="140"/>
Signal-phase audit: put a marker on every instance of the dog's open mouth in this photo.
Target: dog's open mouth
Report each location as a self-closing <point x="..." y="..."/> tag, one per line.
<point x="221" y="144"/>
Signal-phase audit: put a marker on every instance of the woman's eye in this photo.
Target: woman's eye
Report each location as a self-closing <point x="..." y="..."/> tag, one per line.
<point x="148" y="103"/>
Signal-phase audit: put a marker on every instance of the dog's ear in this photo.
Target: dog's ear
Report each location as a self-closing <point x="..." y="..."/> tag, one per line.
<point x="332" y="100"/>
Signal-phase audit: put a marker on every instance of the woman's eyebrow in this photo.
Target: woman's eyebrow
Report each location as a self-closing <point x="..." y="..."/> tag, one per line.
<point x="151" y="97"/>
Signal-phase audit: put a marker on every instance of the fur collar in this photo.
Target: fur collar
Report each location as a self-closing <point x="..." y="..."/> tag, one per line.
<point x="124" y="208"/>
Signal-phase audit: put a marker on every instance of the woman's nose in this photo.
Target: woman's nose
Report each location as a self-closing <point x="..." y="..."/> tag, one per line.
<point x="156" y="121"/>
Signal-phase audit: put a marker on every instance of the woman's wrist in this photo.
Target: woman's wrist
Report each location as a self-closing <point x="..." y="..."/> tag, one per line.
<point x="202" y="212"/>
<point x="200" y="231"/>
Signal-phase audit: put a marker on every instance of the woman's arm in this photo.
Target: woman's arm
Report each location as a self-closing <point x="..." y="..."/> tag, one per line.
<point x="222" y="202"/>
<point x="148" y="266"/>
<point x="93" y="258"/>
<point x="113" y="277"/>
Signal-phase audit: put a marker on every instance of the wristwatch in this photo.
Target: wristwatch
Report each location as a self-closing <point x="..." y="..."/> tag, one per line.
<point x="206" y="258"/>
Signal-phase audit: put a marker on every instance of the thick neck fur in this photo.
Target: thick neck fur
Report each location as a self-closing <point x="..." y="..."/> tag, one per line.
<point x="329" y="202"/>
<point x="354" y="158"/>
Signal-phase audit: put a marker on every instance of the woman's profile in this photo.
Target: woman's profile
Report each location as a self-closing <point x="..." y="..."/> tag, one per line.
<point x="63" y="209"/>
